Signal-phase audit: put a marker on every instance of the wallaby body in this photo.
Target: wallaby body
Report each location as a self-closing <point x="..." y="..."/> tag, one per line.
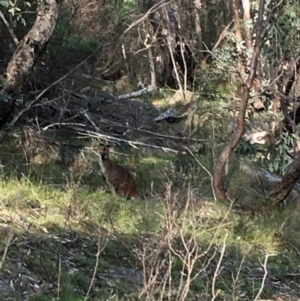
<point x="119" y="179"/>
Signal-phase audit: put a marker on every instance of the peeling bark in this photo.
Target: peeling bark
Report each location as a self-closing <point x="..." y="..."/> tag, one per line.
<point x="28" y="51"/>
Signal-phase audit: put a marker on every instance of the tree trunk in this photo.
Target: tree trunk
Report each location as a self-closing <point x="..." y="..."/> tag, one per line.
<point x="238" y="36"/>
<point x="197" y="9"/>
<point x="245" y="55"/>
<point x="219" y="172"/>
<point x="257" y="103"/>
<point x="288" y="181"/>
<point x="286" y="84"/>
<point x="290" y="121"/>
<point x="26" y="55"/>
<point x="176" y="62"/>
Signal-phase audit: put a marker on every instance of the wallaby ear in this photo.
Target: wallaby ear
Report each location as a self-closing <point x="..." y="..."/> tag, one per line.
<point x="107" y="148"/>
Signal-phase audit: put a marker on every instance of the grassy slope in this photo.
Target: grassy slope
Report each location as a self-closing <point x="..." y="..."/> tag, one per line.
<point x="61" y="231"/>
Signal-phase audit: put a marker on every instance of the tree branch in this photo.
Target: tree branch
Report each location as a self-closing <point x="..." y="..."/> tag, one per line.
<point x="9" y="28"/>
<point x="219" y="172"/>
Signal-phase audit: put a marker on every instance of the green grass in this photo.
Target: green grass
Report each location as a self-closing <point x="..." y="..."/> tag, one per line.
<point x="60" y="215"/>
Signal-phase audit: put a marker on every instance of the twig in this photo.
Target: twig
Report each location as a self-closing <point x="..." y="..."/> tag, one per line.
<point x="8" y="243"/>
<point x="64" y="123"/>
<point x="59" y="277"/>
<point x="9" y="28"/>
<point x="207" y="171"/>
<point x="91" y="121"/>
<point x="30" y="104"/>
<point x="106" y="121"/>
<point x="155" y="7"/>
<point x="264" y="278"/>
<point x="221" y="37"/>
<point x="94" y="134"/>
<point x="235" y="279"/>
<point x="217" y="271"/>
<point x="99" y="251"/>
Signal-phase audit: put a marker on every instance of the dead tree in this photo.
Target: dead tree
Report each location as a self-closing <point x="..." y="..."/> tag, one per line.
<point x="175" y="62"/>
<point x="28" y="51"/>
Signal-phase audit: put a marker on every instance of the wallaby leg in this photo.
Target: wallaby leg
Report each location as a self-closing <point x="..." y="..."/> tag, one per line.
<point x="113" y="191"/>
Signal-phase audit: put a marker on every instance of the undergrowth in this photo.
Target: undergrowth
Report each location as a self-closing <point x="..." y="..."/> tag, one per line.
<point x="65" y="236"/>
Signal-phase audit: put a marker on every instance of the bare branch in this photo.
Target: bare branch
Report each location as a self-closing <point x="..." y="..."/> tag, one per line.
<point x="264" y="278"/>
<point x="90" y="133"/>
<point x="9" y="28"/>
<point x="217" y="271"/>
<point x="31" y="103"/>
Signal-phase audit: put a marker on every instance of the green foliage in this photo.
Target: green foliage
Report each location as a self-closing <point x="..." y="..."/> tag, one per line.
<point x="71" y="35"/>
<point x="16" y="11"/>
<point x="282" y="160"/>
<point x="63" y="43"/>
<point x="115" y="12"/>
<point x="284" y="32"/>
<point x="5" y="97"/>
<point x="78" y="200"/>
<point x="68" y="213"/>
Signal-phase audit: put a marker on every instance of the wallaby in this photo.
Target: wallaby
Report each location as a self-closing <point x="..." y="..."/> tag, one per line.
<point x="118" y="178"/>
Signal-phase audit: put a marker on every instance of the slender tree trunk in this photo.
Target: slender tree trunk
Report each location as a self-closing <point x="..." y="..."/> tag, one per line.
<point x="28" y="51"/>
<point x="198" y="29"/>
<point x="257" y="103"/>
<point x="238" y="36"/>
<point x="247" y="26"/>
<point x="219" y="172"/>
<point x="176" y="58"/>
<point x="291" y="119"/>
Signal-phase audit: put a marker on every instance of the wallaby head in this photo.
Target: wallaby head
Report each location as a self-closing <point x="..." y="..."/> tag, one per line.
<point x="119" y="179"/>
<point x="105" y="153"/>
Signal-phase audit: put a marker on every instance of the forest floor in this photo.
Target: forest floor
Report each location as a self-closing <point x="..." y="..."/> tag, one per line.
<point x="65" y="237"/>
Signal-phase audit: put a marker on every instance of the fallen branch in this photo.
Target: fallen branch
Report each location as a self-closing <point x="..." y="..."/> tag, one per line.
<point x="266" y="177"/>
<point x="107" y="121"/>
<point x="134" y="144"/>
<point x="91" y="121"/>
<point x="135" y="94"/>
<point x="114" y="123"/>
<point x="87" y="132"/>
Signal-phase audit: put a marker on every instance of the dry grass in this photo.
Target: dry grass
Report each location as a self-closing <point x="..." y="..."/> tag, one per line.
<point x="65" y="236"/>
